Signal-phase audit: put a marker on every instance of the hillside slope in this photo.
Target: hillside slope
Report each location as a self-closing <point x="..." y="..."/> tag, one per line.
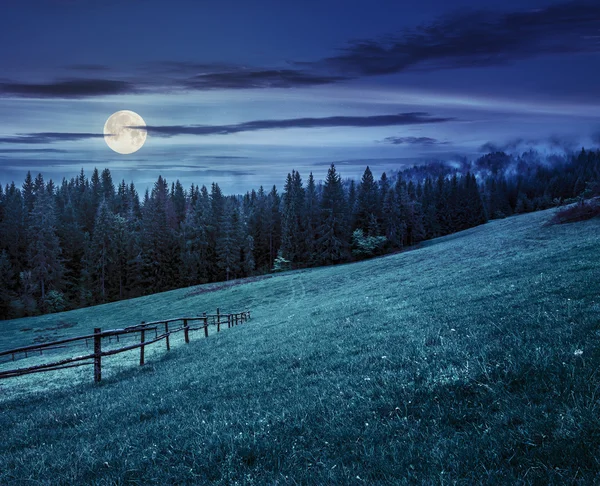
<point x="471" y="360"/>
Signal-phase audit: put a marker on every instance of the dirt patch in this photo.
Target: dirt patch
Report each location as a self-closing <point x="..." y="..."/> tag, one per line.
<point x="224" y="285"/>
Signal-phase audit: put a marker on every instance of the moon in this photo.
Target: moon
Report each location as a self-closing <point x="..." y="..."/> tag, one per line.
<point x="120" y="137"/>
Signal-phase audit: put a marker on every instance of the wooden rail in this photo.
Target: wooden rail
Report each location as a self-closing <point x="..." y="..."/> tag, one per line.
<point x="143" y="329"/>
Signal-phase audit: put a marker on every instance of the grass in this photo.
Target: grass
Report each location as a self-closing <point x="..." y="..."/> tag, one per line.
<point x="471" y="360"/>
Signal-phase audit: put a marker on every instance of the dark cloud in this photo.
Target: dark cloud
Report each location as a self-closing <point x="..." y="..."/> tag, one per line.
<point x="72" y="88"/>
<point x="467" y="39"/>
<point x="415" y="118"/>
<point x="475" y="39"/>
<point x="425" y="141"/>
<point x="187" y="68"/>
<point x="33" y="151"/>
<point x="88" y="67"/>
<point x="596" y="138"/>
<point x="48" y="137"/>
<point x="266" y="78"/>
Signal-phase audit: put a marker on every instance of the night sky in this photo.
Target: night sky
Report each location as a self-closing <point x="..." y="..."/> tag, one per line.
<point x="242" y="92"/>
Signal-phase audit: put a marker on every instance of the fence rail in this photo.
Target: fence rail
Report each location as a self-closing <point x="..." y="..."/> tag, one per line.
<point x="143" y="328"/>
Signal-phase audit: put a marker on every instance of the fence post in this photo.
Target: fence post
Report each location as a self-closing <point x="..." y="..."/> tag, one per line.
<point x="97" y="355"/>
<point x="142" y="340"/>
<point x="186" y="331"/>
<point x="228" y="321"/>
<point x="205" y="324"/>
<point x="236" y="319"/>
<point x="167" y="338"/>
<point x="218" y="321"/>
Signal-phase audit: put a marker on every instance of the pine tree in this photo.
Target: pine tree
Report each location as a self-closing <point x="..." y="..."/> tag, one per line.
<point x="103" y="250"/>
<point x="228" y="244"/>
<point x="394" y="224"/>
<point x="311" y="214"/>
<point x="178" y="198"/>
<point x="13" y="235"/>
<point x="160" y="251"/>
<point x="333" y="243"/>
<point x="107" y="188"/>
<point x="273" y="224"/>
<point x="367" y="202"/>
<point x="292" y="224"/>
<point x="44" y="247"/>
<point x="7" y="283"/>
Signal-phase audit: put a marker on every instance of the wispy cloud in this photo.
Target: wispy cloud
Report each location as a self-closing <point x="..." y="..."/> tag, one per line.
<point x="88" y="67"/>
<point x="469" y="39"/>
<point x="263" y="78"/>
<point x="474" y="39"/>
<point x="71" y="88"/>
<point x="48" y="137"/>
<point x="423" y="141"/>
<point x="414" y="118"/>
<point x="32" y="151"/>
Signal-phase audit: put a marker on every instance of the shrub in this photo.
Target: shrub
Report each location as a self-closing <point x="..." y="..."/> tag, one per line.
<point x="365" y="246"/>
<point x="579" y="212"/>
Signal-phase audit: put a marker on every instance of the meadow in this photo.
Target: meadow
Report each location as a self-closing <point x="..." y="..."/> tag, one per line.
<point x="472" y="359"/>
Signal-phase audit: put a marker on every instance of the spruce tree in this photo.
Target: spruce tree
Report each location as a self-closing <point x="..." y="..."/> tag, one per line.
<point x="367" y="202"/>
<point x="333" y="243"/>
<point x="44" y="247"/>
<point x="103" y="251"/>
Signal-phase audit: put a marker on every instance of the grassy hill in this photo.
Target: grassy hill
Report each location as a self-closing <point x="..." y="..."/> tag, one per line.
<point x="471" y="360"/>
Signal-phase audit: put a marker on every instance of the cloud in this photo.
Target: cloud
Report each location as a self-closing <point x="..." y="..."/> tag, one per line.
<point x="474" y="39"/>
<point x="32" y="151"/>
<point x="265" y="78"/>
<point x="72" y="88"/>
<point x="88" y="67"/>
<point x="464" y="40"/>
<point x="425" y="141"/>
<point x="49" y="137"/>
<point x="415" y="118"/>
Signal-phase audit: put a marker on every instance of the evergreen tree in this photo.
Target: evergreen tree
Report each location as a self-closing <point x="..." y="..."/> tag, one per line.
<point x="292" y="225"/>
<point x="44" y="248"/>
<point x="178" y="199"/>
<point x="103" y="250"/>
<point x="107" y="188"/>
<point x="367" y="202"/>
<point x="273" y="224"/>
<point x="7" y="284"/>
<point x="228" y="244"/>
<point x="333" y="243"/>
<point x="311" y="215"/>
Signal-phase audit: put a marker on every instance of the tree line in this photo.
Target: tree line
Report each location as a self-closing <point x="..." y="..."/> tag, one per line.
<point x="88" y="241"/>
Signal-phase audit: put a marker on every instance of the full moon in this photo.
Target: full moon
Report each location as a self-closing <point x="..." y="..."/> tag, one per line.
<point x="118" y="134"/>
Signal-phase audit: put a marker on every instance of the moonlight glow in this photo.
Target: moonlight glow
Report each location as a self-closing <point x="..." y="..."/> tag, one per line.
<point x="120" y="137"/>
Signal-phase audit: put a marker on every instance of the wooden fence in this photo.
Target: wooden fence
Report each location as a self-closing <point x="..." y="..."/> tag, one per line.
<point x="165" y="327"/>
